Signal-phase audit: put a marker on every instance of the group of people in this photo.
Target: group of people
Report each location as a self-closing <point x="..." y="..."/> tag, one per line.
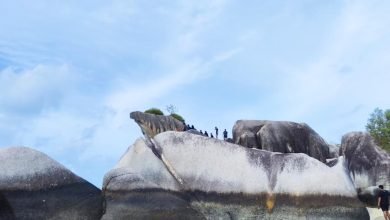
<point x="205" y="133"/>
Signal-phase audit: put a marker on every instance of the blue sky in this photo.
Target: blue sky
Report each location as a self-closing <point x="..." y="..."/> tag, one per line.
<point x="71" y="72"/>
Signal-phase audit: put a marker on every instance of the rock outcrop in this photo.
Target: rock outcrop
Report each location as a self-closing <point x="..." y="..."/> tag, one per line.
<point x="195" y="177"/>
<point x="152" y="125"/>
<point x="280" y="136"/>
<point x="367" y="163"/>
<point x="34" y="186"/>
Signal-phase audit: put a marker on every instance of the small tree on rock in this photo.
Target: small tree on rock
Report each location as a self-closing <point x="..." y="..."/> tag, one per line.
<point x="379" y="127"/>
<point x="171" y="109"/>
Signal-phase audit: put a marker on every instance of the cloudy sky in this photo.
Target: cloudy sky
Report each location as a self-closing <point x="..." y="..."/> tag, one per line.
<point x="71" y="72"/>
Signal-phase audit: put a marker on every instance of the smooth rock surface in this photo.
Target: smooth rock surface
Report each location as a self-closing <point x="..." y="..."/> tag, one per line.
<point x="221" y="180"/>
<point x="280" y="136"/>
<point x="375" y="214"/>
<point x="34" y="186"/>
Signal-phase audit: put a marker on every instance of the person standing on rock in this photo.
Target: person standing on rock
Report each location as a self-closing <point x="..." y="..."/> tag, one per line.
<point x="225" y="135"/>
<point x="216" y="132"/>
<point x="206" y="134"/>
<point x="383" y="202"/>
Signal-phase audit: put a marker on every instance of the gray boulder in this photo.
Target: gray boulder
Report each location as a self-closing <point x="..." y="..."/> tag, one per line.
<point x="334" y="150"/>
<point x="151" y="124"/>
<point x="369" y="196"/>
<point x="34" y="186"/>
<point x="280" y="136"/>
<point x="195" y="177"/>
<point x="367" y="163"/>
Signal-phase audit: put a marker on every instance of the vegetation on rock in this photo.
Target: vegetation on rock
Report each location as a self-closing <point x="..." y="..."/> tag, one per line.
<point x="178" y="117"/>
<point x="170" y="108"/>
<point x="154" y="111"/>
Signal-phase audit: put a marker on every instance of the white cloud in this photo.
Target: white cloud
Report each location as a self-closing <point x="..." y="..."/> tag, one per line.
<point x="351" y="70"/>
<point x="326" y="82"/>
<point x="33" y="88"/>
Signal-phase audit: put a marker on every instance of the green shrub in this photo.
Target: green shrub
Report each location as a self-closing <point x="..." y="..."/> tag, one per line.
<point x="178" y="117"/>
<point x="154" y="111"/>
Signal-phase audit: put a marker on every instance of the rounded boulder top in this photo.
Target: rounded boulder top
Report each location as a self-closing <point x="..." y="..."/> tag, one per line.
<point x="23" y="168"/>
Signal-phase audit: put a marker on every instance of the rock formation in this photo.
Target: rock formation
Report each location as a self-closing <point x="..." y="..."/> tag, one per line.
<point x="280" y="136"/>
<point x="34" y="186"/>
<point x="152" y="125"/>
<point x="195" y="177"/>
<point x="367" y="163"/>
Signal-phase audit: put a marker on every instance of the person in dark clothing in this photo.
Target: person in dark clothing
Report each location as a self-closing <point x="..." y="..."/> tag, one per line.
<point x="225" y="134"/>
<point x="216" y="132"/>
<point x="201" y="132"/>
<point x="383" y="202"/>
<point x="211" y="135"/>
<point x="206" y="134"/>
<point x="192" y="127"/>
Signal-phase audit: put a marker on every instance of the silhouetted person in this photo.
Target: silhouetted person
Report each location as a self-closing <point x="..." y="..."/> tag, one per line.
<point x="211" y="135"/>
<point x="206" y="134"/>
<point x="216" y="132"/>
<point x="192" y="127"/>
<point x="188" y="127"/>
<point x="383" y="202"/>
<point x="225" y="134"/>
<point x="201" y="132"/>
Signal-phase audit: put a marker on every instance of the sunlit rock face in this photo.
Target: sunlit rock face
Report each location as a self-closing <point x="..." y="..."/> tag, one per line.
<point x="34" y="186"/>
<point x="280" y="136"/>
<point x="152" y="125"/>
<point x="204" y="178"/>
<point x="369" y="165"/>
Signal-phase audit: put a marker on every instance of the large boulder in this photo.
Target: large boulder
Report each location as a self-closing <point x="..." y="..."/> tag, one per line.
<point x="367" y="163"/>
<point x="34" y="186"/>
<point x="195" y="177"/>
<point x="280" y="136"/>
<point x="151" y="124"/>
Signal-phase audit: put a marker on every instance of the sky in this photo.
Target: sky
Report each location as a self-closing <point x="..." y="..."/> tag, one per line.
<point x="72" y="71"/>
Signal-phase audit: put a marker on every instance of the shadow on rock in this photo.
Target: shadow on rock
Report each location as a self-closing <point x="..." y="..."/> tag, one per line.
<point x="6" y="211"/>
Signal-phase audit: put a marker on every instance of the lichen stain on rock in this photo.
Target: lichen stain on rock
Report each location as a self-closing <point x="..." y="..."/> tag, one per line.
<point x="270" y="202"/>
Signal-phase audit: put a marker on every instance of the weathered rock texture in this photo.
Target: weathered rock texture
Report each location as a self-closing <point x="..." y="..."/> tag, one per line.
<point x="280" y="136"/>
<point x="33" y="186"/>
<point x="196" y="177"/>
<point x="152" y="125"/>
<point x="334" y="151"/>
<point x="368" y="165"/>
